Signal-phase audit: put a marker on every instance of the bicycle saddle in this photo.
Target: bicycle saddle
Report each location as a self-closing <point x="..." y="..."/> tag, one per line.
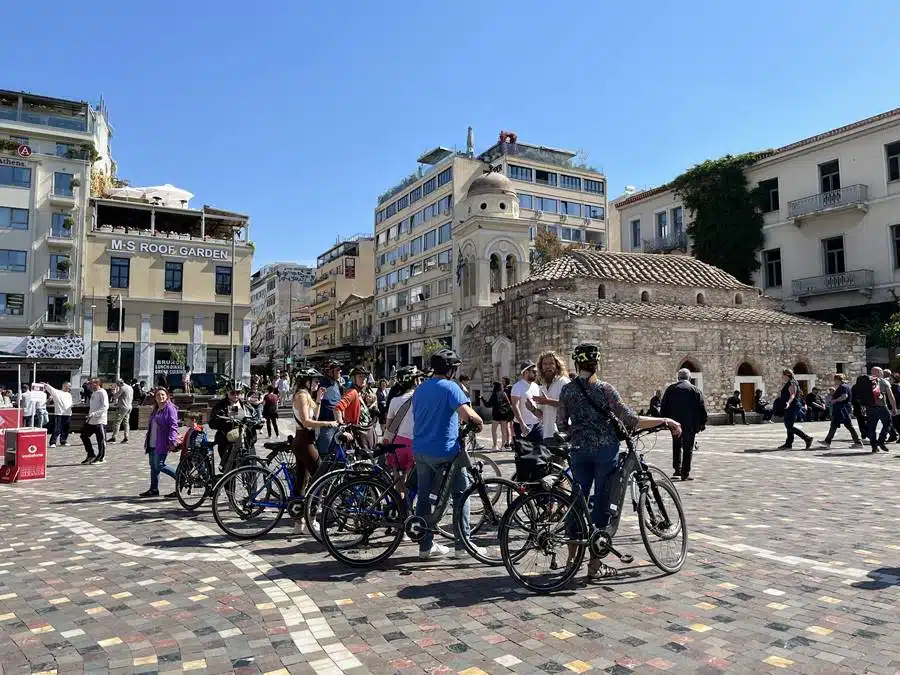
<point x="277" y="445"/>
<point x="384" y="448"/>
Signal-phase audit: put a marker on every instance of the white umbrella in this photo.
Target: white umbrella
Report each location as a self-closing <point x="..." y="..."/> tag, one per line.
<point x="166" y="195"/>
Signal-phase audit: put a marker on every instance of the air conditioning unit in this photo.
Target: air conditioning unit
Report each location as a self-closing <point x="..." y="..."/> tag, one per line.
<point x="393" y="263"/>
<point x="382" y="313"/>
<point x="396" y="310"/>
<point x="538" y="214"/>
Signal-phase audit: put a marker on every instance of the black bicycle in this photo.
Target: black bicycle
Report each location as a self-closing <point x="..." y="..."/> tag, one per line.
<point x="545" y="532"/>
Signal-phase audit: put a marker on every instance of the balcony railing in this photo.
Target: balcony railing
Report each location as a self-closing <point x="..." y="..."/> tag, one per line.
<point x="70" y="123"/>
<point x="855" y="280"/>
<point x="850" y="195"/>
<point x="57" y="274"/>
<point x="666" y="243"/>
<point x="59" y="232"/>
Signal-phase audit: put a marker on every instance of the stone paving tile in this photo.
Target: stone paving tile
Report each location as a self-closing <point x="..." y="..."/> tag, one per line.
<point x="794" y="567"/>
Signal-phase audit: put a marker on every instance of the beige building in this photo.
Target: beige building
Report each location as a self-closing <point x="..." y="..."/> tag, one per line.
<point x="832" y="221"/>
<point x="344" y="269"/>
<point x="278" y="291"/>
<point x="355" y="319"/>
<point x="416" y="231"/>
<point x="184" y="278"/>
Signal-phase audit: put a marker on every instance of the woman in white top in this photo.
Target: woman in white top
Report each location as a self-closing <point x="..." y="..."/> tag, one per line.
<point x="399" y="425"/>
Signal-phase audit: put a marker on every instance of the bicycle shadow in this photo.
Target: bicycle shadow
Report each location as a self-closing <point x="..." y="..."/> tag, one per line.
<point x="330" y="570"/>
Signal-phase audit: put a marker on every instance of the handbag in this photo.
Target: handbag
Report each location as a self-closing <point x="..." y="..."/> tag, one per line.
<point x="619" y="429"/>
<point x="391" y="432"/>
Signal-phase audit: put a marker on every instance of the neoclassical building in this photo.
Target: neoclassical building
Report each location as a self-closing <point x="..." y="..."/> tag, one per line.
<point x="650" y="314"/>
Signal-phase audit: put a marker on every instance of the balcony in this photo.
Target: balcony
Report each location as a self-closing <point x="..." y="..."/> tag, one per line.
<point x="842" y="198"/>
<point x="667" y="243"/>
<point x="58" y="320"/>
<point x="76" y="124"/>
<point x="63" y="193"/>
<point x="856" y="280"/>
<point x="58" y="278"/>
<point x="61" y="237"/>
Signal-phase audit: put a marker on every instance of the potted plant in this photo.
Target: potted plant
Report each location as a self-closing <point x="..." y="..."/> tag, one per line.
<point x="68" y="306"/>
<point x="68" y="223"/>
<point x="62" y="265"/>
<point x="74" y="183"/>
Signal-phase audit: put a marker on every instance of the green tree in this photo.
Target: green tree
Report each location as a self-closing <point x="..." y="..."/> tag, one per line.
<point x="430" y="346"/>
<point x="547" y="247"/>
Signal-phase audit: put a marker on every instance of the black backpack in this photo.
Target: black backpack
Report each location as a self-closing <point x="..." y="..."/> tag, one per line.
<point x="532" y="460"/>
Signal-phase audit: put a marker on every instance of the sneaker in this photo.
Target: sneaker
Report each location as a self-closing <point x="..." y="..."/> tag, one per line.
<point x="436" y="551"/>
<point x="883" y="447"/>
<point x="53" y="445"/>
<point x="809" y="441"/>
<point x="88" y="460"/>
<point x="124" y="440"/>
<point x="784" y="447"/>
<point x="857" y="444"/>
<point x="110" y="440"/>
<point x="99" y="460"/>
<point x="65" y="444"/>
<point x="149" y="493"/>
<point x="827" y="444"/>
<point x="677" y="474"/>
<point x="463" y="553"/>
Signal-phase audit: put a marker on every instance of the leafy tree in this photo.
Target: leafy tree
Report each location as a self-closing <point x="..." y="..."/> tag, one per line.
<point x="431" y="346"/>
<point x="547" y="247"/>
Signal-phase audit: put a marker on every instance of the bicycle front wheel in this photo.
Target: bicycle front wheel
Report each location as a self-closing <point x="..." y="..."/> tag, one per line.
<point x="663" y="527"/>
<point x="193" y="480"/>
<point x="536" y="535"/>
<point x="248" y="502"/>
<point x="486" y="509"/>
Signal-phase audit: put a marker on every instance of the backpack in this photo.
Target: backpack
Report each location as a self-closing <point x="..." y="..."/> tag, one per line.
<point x="868" y="395"/>
<point x="532" y="460"/>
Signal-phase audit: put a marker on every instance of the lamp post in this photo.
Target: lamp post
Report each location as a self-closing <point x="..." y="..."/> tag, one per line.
<point x="91" y="346"/>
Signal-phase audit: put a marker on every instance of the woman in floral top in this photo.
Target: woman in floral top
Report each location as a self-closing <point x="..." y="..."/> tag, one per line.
<point x="592" y="435"/>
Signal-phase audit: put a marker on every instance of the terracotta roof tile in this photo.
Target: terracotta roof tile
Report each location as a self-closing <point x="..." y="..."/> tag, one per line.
<point x="646" y="268"/>
<point x="660" y="312"/>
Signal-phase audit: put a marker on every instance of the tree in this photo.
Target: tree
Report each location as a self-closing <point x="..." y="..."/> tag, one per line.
<point x="431" y="346"/>
<point x="547" y="247"/>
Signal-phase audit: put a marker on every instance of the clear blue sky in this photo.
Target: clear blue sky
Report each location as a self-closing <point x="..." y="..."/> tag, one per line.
<point x="301" y="113"/>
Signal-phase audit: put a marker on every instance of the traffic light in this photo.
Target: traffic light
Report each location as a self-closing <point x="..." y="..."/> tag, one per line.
<point x="109" y="302"/>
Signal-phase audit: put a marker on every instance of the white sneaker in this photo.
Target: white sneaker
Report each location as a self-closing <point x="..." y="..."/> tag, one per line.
<point x="463" y="553"/>
<point x="53" y="445"/>
<point x="436" y="551"/>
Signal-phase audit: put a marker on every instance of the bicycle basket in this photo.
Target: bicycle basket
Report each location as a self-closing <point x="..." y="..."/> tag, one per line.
<point x="532" y="460"/>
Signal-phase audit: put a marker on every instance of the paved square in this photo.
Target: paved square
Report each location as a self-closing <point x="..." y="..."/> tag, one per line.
<point x="794" y="565"/>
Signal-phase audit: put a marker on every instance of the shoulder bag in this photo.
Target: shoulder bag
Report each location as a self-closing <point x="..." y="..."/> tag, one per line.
<point x="391" y="432"/>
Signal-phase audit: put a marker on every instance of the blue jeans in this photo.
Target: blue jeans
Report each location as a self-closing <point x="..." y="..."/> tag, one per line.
<point x="61" y="426"/>
<point x="874" y="415"/>
<point x="427" y="469"/>
<point x="323" y="441"/>
<point x="592" y="468"/>
<point x="157" y="466"/>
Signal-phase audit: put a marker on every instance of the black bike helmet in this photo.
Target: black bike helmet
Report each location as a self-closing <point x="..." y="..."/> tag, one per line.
<point x="331" y="363"/>
<point x="359" y="370"/>
<point x="586" y="353"/>
<point x="444" y="360"/>
<point x="407" y="373"/>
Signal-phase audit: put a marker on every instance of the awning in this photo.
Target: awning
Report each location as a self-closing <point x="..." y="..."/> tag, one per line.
<point x="41" y="348"/>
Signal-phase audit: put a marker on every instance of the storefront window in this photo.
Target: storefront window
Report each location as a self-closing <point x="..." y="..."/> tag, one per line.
<point x="217" y="361"/>
<point x="106" y="360"/>
<point x="170" y="360"/>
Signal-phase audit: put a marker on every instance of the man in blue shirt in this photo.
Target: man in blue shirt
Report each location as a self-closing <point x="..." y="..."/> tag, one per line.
<point x="438" y="406"/>
<point x="327" y="397"/>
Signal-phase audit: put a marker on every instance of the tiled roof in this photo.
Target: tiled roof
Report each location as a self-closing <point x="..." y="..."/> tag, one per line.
<point x="700" y="313"/>
<point x="637" y="268"/>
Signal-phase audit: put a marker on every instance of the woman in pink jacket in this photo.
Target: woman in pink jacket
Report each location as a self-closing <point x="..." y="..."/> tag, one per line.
<point x="162" y="438"/>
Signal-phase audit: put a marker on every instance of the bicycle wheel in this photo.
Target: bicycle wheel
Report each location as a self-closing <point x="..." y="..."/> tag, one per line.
<point x="485" y="513"/>
<point x="317" y="494"/>
<point x="535" y="534"/>
<point x="248" y="502"/>
<point x="489" y="468"/>
<point x="662" y="522"/>
<point x="362" y="522"/>
<point x="193" y="481"/>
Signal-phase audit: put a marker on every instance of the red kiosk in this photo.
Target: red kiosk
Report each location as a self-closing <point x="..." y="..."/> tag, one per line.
<point x="25" y="455"/>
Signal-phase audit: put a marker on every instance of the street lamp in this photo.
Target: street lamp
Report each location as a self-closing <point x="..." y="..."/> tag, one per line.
<point x="91" y="346"/>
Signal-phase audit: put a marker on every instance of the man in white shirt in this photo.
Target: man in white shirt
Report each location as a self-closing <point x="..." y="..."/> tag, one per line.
<point x="124" y="400"/>
<point x="95" y="424"/>
<point x="552" y="371"/>
<point x="26" y="403"/>
<point x="62" y="411"/>
<point x="528" y="422"/>
<point x="39" y="396"/>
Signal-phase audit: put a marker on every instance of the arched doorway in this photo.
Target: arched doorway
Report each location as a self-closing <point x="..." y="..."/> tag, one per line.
<point x="746" y="382"/>
<point x="696" y="372"/>
<point x="804" y="377"/>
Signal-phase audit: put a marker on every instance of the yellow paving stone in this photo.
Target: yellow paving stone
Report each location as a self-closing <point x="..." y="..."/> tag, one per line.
<point x="94" y="593"/>
<point x="7" y="617"/>
<point x="200" y="596"/>
<point x="594" y="616"/>
<point x="95" y="610"/>
<point x="266" y="605"/>
<point x="705" y="605"/>
<point x="160" y="603"/>
<point x="872" y="561"/>
<point x="862" y="551"/>
<point x="776" y="606"/>
<point x="59" y="601"/>
<point x="819" y="630"/>
<point x="8" y="596"/>
<point x="629" y="594"/>
<point x="123" y="594"/>
<point x="563" y="634"/>
<point x="204" y="589"/>
<point x="893" y="546"/>
<point x="343" y="601"/>
<point x="194" y="665"/>
<point x="578" y="666"/>
<point x="699" y="627"/>
<point x="145" y="660"/>
<point x="109" y="642"/>
<point x="209" y="580"/>
<point x="778" y="662"/>
<point x="46" y="672"/>
<point x="472" y="671"/>
<point x="43" y="629"/>
<point x="830" y="600"/>
<point x="377" y="594"/>
<point x="727" y="586"/>
<point x="280" y="671"/>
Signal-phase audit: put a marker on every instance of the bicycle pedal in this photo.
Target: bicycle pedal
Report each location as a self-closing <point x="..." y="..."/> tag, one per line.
<point x="627" y="559"/>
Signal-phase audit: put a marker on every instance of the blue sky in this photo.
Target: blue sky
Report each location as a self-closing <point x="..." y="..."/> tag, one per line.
<point x="301" y="113"/>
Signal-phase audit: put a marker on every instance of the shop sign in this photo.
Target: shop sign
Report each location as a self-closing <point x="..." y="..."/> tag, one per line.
<point x="9" y="161"/>
<point x="157" y="248"/>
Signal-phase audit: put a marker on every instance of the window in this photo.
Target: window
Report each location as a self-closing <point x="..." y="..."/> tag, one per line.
<point x="220" y="324"/>
<point x="662" y="224"/>
<point x="57" y="225"/>
<point x="444" y="233"/>
<point x="772" y="263"/>
<point x="443" y="286"/>
<point x="429" y="186"/>
<point x="700" y="299"/>
<point x="415" y="195"/>
<point x="595" y="186"/>
<point x="571" y="234"/>
<point x="645" y="296"/>
<point x="13" y="219"/>
<point x="544" y="177"/>
<point x="223" y="280"/>
<point x="173" y="276"/>
<point x="62" y="184"/>
<point x="12" y="261"/>
<point x="59" y="266"/>
<point x="270" y="302"/>
<point x="738" y="299"/>
<point x="636" y="233"/>
<point x="569" y="182"/>
<point x="525" y="201"/>
<point x="15" y="176"/>
<point x="415" y="269"/>
<point x="21" y="140"/>
<point x="678" y="220"/>
<point x="390" y="210"/>
<point x="12" y="304"/>
<point x="64" y="149"/>
<point x="430" y="262"/>
<point x="830" y="176"/>
<point x="893" y="160"/>
<point x="769" y="193"/>
<point x="170" y="321"/>
<point x="520" y="172"/>
<point x="834" y="255"/>
<point x="119" y="272"/>
<point x="403" y="202"/>
<point x="594" y="212"/>
<point x="545" y="204"/>
<point x="445" y="176"/>
<point x="108" y="354"/>
<point x="444" y="257"/>
<point x="430" y="240"/>
<point x="601" y="292"/>
<point x="112" y="320"/>
<point x="570" y="208"/>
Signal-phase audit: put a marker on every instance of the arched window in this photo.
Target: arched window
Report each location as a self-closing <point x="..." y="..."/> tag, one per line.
<point x="800" y="368"/>
<point x="601" y="292"/>
<point x="747" y="370"/>
<point x="495" y="273"/>
<point x="691" y="366"/>
<point x="738" y="299"/>
<point x="700" y="299"/>
<point x="511" y="269"/>
<point x="645" y="296"/>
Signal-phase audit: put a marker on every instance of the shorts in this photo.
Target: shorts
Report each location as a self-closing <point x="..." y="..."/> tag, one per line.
<point x="404" y="455"/>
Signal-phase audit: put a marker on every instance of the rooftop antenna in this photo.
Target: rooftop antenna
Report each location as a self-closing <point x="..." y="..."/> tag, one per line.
<point x="470" y="143"/>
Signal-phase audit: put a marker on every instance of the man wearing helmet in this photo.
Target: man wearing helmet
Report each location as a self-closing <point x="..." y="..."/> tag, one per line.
<point x="228" y="408"/>
<point x="327" y="396"/>
<point x="439" y="405"/>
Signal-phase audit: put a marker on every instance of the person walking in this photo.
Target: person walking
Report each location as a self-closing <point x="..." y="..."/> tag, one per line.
<point x="527" y="415"/>
<point x="734" y="406"/>
<point x="501" y="416"/>
<point x="123" y="402"/>
<point x="95" y="423"/>
<point x="161" y="439"/>
<point x="879" y="402"/>
<point x="552" y="373"/>
<point x="186" y="380"/>
<point x="62" y="420"/>
<point x="791" y="401"/>
<point x="841" y="412"/>
<point x="284" y="389"/>
<point x="270" y="411"/>
<point x="655" y="409"/>
<point x="683" y="402"/>
<point x="27" y="404"/>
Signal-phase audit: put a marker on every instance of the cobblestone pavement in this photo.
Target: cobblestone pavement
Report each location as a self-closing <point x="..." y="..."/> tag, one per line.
<point x="794" y="565"/>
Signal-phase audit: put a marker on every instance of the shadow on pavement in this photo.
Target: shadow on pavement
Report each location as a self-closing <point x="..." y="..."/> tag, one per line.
<point x="880" y="579"/>
<point x="329" y="570"/>
<point x="857" y="453"/>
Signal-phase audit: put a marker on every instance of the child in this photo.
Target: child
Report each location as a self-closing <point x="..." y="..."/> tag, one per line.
<point x="194" y="427"/>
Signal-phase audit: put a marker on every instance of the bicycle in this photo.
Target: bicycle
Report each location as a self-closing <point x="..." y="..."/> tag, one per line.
<point x="370" y="506"/>
<point x="543" y="520"/>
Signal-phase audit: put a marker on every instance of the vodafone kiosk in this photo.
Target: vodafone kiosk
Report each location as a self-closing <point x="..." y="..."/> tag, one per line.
<point x="24" y="454"/>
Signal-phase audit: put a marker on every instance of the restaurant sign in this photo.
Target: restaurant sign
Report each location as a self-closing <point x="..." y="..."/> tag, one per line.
<point x="159" y="248"/>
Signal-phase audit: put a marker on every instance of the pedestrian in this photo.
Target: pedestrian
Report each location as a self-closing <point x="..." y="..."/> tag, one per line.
<point x="791" y="401"/>
<point x="527" y="415"/>
<point x="879" y="402"/>
<point x="62" y="419"/>
<point x="95" y="423"/>
<point x="284" y="389"/>
<point x="463" y="381"/>
<point x="683" y="402"/>
<point x="888" y="377"/>
<point x="186" y="380"/>
<point x="86" y="391"/>
<point x="552" y="374"/>
<point x="161" y="439"/>
<point x="501" y="416"/>
<point x="841" y="410"/>
<point x="760" y="407"/>
<point x="27" y="404"/>
<point x="270" y="411"/>
<point x="400" y="426"/>
<point x="655" y="409"/>
<point x="734" y="406"/>
<point x="39" y="396"/>
<point x="349" y="409"/>
<point x="895" y="388"/>
<point x="123" y="402"/>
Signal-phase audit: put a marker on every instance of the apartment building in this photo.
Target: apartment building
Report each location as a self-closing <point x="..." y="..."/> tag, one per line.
<point x="832" y="221"/>
<point x="415" y="271"/>
<point x="49" y="149"/>
<point x="183" y="276"/>
<point x="279" y="291"/>
<point x="344" y="269"/>
<point x="356" y="334"/>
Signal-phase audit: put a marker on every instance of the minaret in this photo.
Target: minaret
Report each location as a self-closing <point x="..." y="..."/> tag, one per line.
<point x="470" y="143"/>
